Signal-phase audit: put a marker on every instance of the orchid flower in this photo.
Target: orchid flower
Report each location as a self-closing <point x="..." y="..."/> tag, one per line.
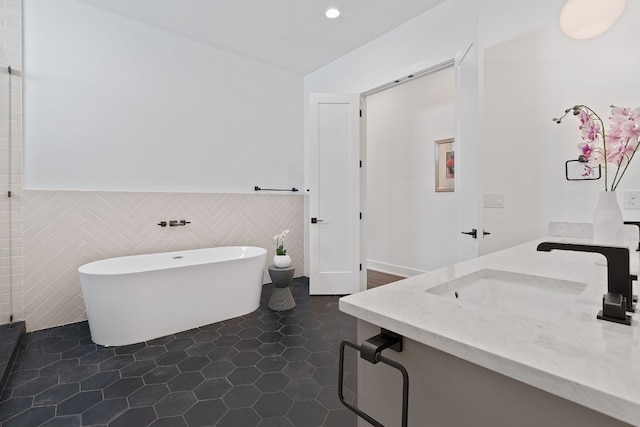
<point x="586" y="171"/>
<point x="616" y="147"/>
<point x="587" y="149"/>
<point x="590" y="128"/>
<point x="619" y="154"/>
<point x="280" y="250"/>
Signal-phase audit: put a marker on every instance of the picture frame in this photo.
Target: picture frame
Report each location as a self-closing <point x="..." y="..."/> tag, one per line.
<point x="445" y="165"/>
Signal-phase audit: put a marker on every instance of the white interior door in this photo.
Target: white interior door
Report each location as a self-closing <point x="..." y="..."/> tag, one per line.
<point x="334" y="198"/>
<point x="468" y="147"/>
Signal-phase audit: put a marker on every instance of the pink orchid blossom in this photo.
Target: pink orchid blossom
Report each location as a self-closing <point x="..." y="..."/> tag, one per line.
<point x="619" y="154"/>
<point x="618" y="114"/>
<point x="586" y="148"/>
<point x="614" y="135"/>
<point x="617" y="146"/>
<point x="590" y="129"/>
<point x="586" y="171"/>
<point x="625" y="123"/>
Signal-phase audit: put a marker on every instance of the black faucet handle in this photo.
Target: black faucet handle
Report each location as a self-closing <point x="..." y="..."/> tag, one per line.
<point x="614" y="309"/>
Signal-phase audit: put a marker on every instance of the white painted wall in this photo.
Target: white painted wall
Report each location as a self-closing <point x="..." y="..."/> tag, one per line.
<point x="406" y="220"/>
<point x="529" y="80"/>
<point x="111" y="104"/>
<point x="532" y="72"/>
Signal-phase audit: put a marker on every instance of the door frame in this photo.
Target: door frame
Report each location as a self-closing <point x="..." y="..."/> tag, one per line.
<point x="363" y="151"/>
<point x="450" y="63"/>
<point x="363" y="191"/>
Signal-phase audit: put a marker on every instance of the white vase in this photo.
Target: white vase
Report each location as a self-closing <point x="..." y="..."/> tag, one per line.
<point x="282" y="261"/>
<point x="607" y="221"/>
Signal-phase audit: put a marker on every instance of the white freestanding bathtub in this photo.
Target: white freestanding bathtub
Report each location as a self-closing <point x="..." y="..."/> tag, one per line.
<point x="138" y="298"/>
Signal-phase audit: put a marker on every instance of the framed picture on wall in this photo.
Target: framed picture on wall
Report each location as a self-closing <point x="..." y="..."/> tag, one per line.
<point x="445" y="165"/>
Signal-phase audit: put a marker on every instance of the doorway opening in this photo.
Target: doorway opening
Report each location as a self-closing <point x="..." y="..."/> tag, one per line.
<point x="408" y="228"/>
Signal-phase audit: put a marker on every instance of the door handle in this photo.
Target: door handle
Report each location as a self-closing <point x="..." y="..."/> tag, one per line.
<point x="316" y="220"/>
<point x="485" y="233"/>
<point x="473" y="233"/>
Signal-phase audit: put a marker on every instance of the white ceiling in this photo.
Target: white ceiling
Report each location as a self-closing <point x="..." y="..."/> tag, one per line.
<point x="292" y="35"/>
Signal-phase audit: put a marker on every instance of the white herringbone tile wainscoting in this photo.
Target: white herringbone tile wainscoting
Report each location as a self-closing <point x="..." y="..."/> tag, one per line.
<point x="65" y="229"/>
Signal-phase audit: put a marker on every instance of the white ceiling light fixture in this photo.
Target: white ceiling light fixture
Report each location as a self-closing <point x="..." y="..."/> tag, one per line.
<point x="584" y="19"/>
<point x="332" y="13"/>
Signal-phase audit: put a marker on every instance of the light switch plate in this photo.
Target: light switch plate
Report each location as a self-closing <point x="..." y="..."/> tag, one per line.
<point x="495" y="200"/>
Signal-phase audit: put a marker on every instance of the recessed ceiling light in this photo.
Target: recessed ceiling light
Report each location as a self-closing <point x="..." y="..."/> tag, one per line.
<point x="332" y="13"/>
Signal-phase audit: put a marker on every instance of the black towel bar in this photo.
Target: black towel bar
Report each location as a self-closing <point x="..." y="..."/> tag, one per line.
<point x="293" y="189"/>
<point x="371" y="350"/>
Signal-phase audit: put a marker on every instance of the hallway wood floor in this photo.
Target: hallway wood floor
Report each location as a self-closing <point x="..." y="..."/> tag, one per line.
<point x="377" y="278"/>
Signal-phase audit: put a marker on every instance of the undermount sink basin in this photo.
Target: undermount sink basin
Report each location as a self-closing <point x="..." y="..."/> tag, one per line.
<point x="534" y="297"/>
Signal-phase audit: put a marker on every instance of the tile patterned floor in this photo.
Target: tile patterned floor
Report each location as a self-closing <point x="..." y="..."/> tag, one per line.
<point x="264" y="369"/>
<point x="10" y="336"/>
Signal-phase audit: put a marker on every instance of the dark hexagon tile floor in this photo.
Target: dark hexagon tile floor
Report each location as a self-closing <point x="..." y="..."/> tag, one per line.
<point x="263" y="369"/>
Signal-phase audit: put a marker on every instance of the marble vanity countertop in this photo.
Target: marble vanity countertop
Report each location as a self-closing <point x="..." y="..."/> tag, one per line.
<point x="591" y="362"/>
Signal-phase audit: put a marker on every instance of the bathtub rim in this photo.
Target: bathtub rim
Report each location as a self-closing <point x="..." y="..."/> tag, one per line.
<point x="86" y="269"/>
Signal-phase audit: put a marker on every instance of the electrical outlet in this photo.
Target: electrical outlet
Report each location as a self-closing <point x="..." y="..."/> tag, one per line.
<point x="631" y="200"/>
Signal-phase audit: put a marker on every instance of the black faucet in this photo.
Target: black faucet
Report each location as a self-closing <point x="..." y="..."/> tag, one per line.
<point x="618" y="270"/>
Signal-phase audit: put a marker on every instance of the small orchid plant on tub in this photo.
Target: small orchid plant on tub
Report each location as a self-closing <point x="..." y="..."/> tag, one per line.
<point x="280" y="250"/>
<point x="617" y="146"/>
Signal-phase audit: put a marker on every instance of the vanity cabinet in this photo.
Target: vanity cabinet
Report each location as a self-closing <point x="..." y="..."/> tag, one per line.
<point x="476" y="365"/>
<point x="446" y="391"/>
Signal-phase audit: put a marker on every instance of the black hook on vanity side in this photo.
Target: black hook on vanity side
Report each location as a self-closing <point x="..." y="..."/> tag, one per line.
<point x="638" y="224"/>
